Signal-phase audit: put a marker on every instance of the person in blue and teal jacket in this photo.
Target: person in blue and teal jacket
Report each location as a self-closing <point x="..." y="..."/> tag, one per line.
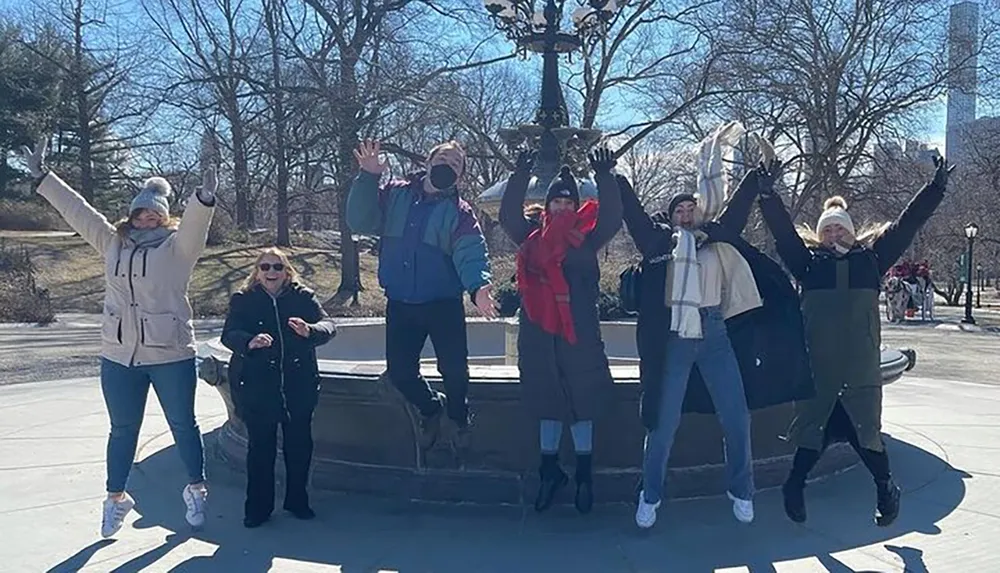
<point x="432" y="251"/>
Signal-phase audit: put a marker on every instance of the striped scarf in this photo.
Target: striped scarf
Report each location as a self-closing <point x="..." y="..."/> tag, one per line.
<point x="684" y="295"/>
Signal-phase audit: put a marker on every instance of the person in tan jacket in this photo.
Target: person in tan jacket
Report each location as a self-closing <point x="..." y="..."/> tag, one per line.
<point x="147" y="337"/>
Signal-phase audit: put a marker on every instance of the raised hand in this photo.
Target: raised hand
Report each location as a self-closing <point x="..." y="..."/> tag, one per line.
<point x="766" y="177"/>
<point x="35" y="160"/>
<point x="209" y="184"/>
<point x="485" y="303"/>
<point x="602" y="160"/>
<point x="262" y="340"/>
<point x="367" y="156"/>
<point x="525" y="161"/>
<point x="942" y="170"/>
<point x="299" y="326"/>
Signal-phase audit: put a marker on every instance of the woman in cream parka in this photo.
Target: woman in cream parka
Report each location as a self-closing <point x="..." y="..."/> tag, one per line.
<point x="147" y="337"/>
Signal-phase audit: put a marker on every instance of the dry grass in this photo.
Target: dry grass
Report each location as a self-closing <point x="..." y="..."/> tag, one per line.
<point x="74" y="273"/>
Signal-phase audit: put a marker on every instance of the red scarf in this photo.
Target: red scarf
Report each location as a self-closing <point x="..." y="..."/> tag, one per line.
<point x="540" y="280"/>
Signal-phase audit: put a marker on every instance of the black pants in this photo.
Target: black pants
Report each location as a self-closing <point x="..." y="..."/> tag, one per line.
<point x="407" y="327"/>
<point x="840" y="428"/>
<point x="297" y="446"/>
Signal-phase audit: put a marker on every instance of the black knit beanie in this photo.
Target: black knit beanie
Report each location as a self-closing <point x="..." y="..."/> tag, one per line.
<point x="563" y="186"/>
<point x="677" y="200"/>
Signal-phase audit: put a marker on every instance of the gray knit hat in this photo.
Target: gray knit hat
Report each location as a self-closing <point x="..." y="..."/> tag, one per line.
<point x="155" y="196"/>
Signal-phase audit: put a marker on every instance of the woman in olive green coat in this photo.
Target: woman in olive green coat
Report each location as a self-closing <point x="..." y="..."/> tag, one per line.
<point x="840" y="274"/>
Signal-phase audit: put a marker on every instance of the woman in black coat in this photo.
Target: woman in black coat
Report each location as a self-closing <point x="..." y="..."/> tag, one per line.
<point x="273" y="328"/>
<point x="768" y="341"/>
<point x="564" y="370"/>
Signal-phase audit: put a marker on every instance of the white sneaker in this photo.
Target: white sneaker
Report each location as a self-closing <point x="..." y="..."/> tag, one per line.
<point x="114" y="515"/>
<point x="742" y="508"/>
<point x="645" y="515"/>
<point x="196" y="500"/>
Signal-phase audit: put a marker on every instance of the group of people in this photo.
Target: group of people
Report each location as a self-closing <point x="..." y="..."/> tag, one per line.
<point x="909" y="288"/>
<point x="720" y="327"/>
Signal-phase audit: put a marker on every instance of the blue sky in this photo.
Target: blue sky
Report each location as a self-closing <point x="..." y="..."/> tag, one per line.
<point x="128" y="15"/>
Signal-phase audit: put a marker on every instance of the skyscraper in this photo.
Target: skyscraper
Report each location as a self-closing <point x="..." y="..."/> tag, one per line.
<point x="963" y="32"/>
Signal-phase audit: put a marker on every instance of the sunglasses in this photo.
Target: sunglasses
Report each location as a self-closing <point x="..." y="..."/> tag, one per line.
<point x="268" y="266"/>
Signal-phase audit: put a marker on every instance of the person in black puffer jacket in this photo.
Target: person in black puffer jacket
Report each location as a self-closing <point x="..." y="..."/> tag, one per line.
<point x="273" y="328"/>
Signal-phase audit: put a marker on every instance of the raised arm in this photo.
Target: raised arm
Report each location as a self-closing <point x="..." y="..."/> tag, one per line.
<point x="638" y="224"/>
<point x="193" y="230"/>
<point x="734" y="218"/>
<point x="364" y="205"/>
<point x="78" y="214"/>
<point x="609" y="199"/>
<point x="898" y="237"/>
<point x="790" y="246"/>
<point x="364" y="200"/>
<point x="512" y="217"/>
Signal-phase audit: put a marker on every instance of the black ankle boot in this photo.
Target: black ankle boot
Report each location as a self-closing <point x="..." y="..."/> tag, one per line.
<point x="887" y="507"/>
<point x="551" y="479"/>
<point x="793" y="489"/>
<point x="584" y="484"/>
<point x="887" y="504"/>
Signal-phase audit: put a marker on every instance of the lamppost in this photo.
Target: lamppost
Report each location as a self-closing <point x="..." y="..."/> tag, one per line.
<point x="540" y="31"/>
<point x="979" y="283"/>
<point x="971" y="230"/>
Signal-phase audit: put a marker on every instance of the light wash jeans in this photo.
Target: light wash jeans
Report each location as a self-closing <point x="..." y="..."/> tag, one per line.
<point x="125" y="389"/>
<point x="550" y="432"/>
<point x="714" y="356"/>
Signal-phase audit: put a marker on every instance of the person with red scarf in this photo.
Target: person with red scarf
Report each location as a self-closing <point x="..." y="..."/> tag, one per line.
<point x="564" y="369"/>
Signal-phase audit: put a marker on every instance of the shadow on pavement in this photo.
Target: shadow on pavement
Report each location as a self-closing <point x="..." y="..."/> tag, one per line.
<point x="360" y="533"/>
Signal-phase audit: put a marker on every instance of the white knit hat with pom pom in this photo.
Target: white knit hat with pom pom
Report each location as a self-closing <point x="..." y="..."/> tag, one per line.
<point x="155" y="195"/>
<point x="835" y="213"/>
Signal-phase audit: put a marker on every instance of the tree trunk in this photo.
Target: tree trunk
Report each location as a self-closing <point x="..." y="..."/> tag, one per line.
<point x="244" y="216"/>
<point x="278" y="113"/>
<point x="83" y="131"/>
<point x="350" y="263"/>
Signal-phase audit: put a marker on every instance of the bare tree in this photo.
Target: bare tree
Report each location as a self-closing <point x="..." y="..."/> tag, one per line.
<point x="351" y="50"/>
<point x="828" y="78"/>
<point x="214" y="46"/>
<point x="103" y="109"/>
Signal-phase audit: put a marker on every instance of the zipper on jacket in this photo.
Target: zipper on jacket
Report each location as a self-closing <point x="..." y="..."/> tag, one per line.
<point x="281" y="360"/>
<point x="131" y="287"/>
<point x="145" y="253"/>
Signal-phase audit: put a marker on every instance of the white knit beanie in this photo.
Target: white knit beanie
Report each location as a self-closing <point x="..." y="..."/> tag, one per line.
<point x="835" y="213"/>
<point x="155" y="196"/>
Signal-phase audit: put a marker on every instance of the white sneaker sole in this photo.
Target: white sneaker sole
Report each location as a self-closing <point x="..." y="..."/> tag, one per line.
<point x="106" y="534"/>
<point x="643" y="524"/>
<point x="741" y="516"/>
<point x="195" y="520"/>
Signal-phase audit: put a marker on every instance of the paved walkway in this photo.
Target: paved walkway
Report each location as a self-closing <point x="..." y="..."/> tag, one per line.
<point x="943" y="437"/>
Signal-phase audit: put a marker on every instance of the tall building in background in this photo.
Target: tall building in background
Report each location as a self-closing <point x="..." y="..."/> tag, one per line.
<point x="963" y="33"/>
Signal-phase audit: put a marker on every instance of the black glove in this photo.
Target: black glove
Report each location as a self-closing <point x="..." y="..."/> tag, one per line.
<point x="602" y="160"/>
<point x="767" y="177"/>
<point x="942" y="172"/>
<point x="525" y="161"/>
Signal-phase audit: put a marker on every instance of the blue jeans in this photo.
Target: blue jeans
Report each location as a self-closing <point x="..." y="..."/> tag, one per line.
<point x="125" y="389"/>
<point x="550" y="432"/>
<point x="717" y="362"/>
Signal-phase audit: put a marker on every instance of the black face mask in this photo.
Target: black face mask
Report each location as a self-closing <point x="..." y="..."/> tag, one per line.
<point x="443" y="177"/>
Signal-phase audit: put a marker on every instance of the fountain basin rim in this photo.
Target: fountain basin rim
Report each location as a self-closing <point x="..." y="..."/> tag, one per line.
<point x="894" y="364"/>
